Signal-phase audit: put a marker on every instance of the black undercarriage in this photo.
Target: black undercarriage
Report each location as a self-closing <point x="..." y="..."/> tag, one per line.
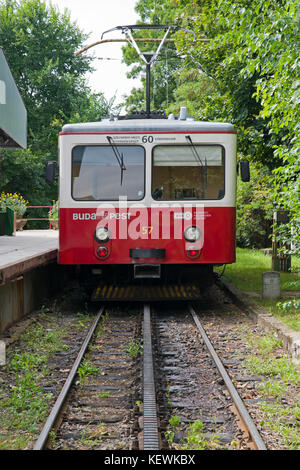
<point x="126" y="282"/>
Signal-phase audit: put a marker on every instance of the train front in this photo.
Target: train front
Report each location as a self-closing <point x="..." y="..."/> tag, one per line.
<point x="147" y="207"/>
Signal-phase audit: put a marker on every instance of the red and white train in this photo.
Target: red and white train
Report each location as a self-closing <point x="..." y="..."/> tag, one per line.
<point x="147" y="199"/>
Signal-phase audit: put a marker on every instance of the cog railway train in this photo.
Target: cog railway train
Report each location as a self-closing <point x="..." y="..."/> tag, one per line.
<point x="147" y="204"/>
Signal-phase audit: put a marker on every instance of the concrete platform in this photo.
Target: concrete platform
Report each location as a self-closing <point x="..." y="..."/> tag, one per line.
<point x="26" y="250"/>
<point x="29" y="273"/>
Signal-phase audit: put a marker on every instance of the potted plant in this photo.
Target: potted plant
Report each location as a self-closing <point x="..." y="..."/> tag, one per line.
<point x="53" y="216"/>
<point x="16" y="203"/>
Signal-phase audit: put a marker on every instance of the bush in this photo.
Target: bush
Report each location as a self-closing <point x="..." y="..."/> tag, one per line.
<point x="254" y="210"/>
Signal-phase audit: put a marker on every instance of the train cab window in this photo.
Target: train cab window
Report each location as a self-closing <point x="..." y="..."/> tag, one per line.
<point x="106" y="172"/>
<point x="188" y="172"/>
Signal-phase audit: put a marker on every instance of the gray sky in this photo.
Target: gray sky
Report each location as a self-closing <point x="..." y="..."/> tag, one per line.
<point x="95" y="17"/>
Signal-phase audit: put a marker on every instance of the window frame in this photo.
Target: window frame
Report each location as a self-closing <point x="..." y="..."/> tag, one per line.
<point x="106" y="199"/>
<point x="189" y="145"/>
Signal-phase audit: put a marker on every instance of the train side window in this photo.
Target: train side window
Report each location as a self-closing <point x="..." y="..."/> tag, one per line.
<point x="182" y="172"/>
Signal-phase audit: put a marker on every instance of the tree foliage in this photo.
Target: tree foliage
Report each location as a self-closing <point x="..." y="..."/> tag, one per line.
<point x="247" y="74"/>
<point x="254" y="212"/>
<point x="39" y="44"/>
<point x="253" y="57"/>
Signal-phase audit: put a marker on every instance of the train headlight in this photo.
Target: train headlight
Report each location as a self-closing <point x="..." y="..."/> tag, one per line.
<point x="192" y="234"/>
<point x="102" y="234"/>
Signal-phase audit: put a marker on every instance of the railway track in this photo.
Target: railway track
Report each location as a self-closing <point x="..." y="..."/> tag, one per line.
<point x="170" y="381"/>
<point x="95" y="406"/>
<point x="54" y="414"/>
<point x="254" y="437"/>
<point x="194" y="388"/>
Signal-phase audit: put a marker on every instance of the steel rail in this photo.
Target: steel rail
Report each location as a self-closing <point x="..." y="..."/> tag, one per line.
<point x="246" y="418"/>
<point x="151" y="437"/>
<point x="43" y="437"/>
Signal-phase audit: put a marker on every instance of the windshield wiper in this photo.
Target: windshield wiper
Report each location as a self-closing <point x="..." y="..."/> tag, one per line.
<point x="119" y="157"/>
<point x="204" y="166"/>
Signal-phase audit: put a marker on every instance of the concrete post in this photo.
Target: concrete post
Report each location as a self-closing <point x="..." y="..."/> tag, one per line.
<point x="271" y="285"/>
<point x="2" y="353"/>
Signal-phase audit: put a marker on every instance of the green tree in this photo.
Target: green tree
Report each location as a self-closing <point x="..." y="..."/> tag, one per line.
<point x="253" y="58"/>
<point x="254" y="215"/>
<point x="39" y="43"/>
<point x="248" y="74"/>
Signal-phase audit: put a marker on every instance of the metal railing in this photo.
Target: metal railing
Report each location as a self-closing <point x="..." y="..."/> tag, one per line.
<point x="39" y="218"/>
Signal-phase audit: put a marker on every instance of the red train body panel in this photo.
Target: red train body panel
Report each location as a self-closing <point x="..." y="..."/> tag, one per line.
<point x="78" y="246"/>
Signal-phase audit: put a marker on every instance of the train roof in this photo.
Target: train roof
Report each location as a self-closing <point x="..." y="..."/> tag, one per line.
<point x="147" y="125"/>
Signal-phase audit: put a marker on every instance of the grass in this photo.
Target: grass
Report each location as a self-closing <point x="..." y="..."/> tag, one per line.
<point x="24" y="403"/>
<point x="290" y="317"/>
<point x="86" y="369"/>
<point x="94" y="439"/>
<point x="246" y="274"/>
<point x="280" y="379"/>
<point x="195" y="439"/>
<point x="134" y="348"/>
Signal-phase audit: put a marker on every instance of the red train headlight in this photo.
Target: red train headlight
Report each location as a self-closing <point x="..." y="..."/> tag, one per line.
<point x="192" y="234"/>
<point x="192" y="252"/>
<point x="102" y="251"/>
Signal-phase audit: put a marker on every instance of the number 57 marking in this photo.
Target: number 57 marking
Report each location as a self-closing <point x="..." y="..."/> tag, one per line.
<point x="147" y="230"/>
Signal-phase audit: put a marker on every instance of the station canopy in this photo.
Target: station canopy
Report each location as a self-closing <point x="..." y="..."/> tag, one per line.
<point x="13" y="114"/>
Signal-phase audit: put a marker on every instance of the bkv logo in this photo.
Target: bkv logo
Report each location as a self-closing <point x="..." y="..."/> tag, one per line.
<point x="183" y="215"/>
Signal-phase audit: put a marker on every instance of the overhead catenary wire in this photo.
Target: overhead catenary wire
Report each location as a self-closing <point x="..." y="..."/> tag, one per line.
<point x="148" y="58"/>
<point x="175" y="57"/>
<point x="103" y="41"/>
